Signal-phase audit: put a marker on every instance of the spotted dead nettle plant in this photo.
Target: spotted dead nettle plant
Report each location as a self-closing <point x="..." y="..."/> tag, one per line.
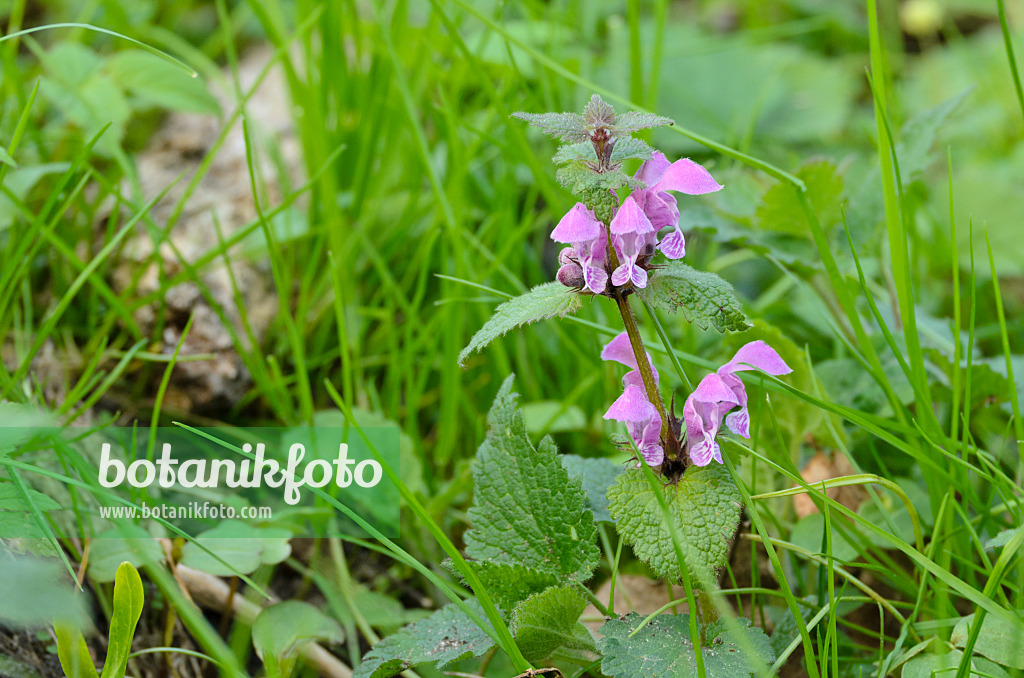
<point x="533" y="524"/>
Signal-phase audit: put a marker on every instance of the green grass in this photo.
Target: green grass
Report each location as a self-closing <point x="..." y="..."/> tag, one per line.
<point x="421" y="204"/>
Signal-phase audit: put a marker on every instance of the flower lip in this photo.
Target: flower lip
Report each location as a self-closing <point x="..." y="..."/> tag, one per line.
<point x="630" y="218"/>
<point x="578" y="225"/>
<point x="632" y="406"/>
<point x="756" y="355"/>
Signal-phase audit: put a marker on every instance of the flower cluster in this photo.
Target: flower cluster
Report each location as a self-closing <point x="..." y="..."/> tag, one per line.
<point x="720" y="392"/>
<point x="705" y="410"/>
<point x="633" y="229"/>
<point x="633" y="407"/>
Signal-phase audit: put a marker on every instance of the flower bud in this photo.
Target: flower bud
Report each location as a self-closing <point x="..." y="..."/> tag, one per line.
<point x="570" y="275"/>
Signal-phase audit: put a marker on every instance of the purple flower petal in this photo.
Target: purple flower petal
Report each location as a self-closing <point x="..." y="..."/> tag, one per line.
<point x="567" y="256"/>
<point x="620" y="350"/>
<point x="759" y="355"/>
<point x="595" y="279"/>
<point x="713" y="391"/>
<point x="702" y="423"/>
<point x="632" y="405"/>
<point x="578" y="225"/>
<point x="673" y="245"/>
<point x="652" y="170"/>
<point x="686" y="176"/>
<point x="739" y="422"/>
<point x="630" y="218"/>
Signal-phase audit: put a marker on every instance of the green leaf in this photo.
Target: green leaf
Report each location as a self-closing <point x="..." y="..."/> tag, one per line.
<point x="128" y="599"/>
<point x="1002" y="539"/>
<point x="127" y="544"/>
<point x="509" y="583"/>
<point x="631" y="147"/>
<point x="243" y="547"/>
<point x="543" y="301"/>
<point x="575" y="152"/>
<point x="73" y="652"/>
<point x="998" y="640"/>
<point x="11" y="499"/>
<point x="662" y="648"/>
<point x="550" y="620"/>
<point x="566" y="126"/>
<point x="937" y="666"/>
<point x="447" y="636"/>
<point x="597" y="475"/>
<point x="598" y="113"/>
<point x="579" y="178"/>
<point x="704" y="298"/>
<point x="35" y="592"/>
<point x="156" y="82"/>
<point x="705" y="505"/>
<point x="526" y="509"/>
<point x="280" y="631"/>
<point x="633" y="121"/>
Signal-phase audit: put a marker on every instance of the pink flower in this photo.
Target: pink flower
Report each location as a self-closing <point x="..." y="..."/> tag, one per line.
<point x="633" y="407"/>
<point x="720" y="392"/>
<point x="683" y="176"/>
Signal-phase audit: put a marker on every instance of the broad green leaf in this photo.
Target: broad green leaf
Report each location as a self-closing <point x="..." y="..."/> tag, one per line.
<point x="939" y="666"/>
<point x="597" y="475"/>
<point x="447" y="636"/>
<point x="998" y="640"/>
<point x="73" y="652"/>
<point x="128" y="598"/>
<point x="705" y="505"/>
<point x="574" y="152"/>
<point x="550" y="620"/>
<point x="110" y="549"/>
<point x="633" y="121"/>
<point x="526" y="509"/>
<point x="11" y="499"/>
<point x="35" y="592"/>
<point x="598" y="113"/>
<point x="156" y="82"/>
<point x="631" y="147"/>
<point x="704" y="298"/>
<point x="509" y="583"/>
<point x="569" y="127"/>
<point x="579" y="178"/>
<point x="242" y="546"/>
<point x="663" y="648"/>
<point x="543" y="301"/>
<point x="280" y="631"/>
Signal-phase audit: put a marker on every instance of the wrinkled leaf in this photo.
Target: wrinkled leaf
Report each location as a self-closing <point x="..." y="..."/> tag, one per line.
<point x="663" y="648"/>
<point x="705" y="506"/>
<point x="447" y="636"/>
<point x="543" y="301"/>
<point x="550" y="620"/>
<point x="526" y="509"/>
<point x="704" y="298"/>
<point x="999" y="640"/>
